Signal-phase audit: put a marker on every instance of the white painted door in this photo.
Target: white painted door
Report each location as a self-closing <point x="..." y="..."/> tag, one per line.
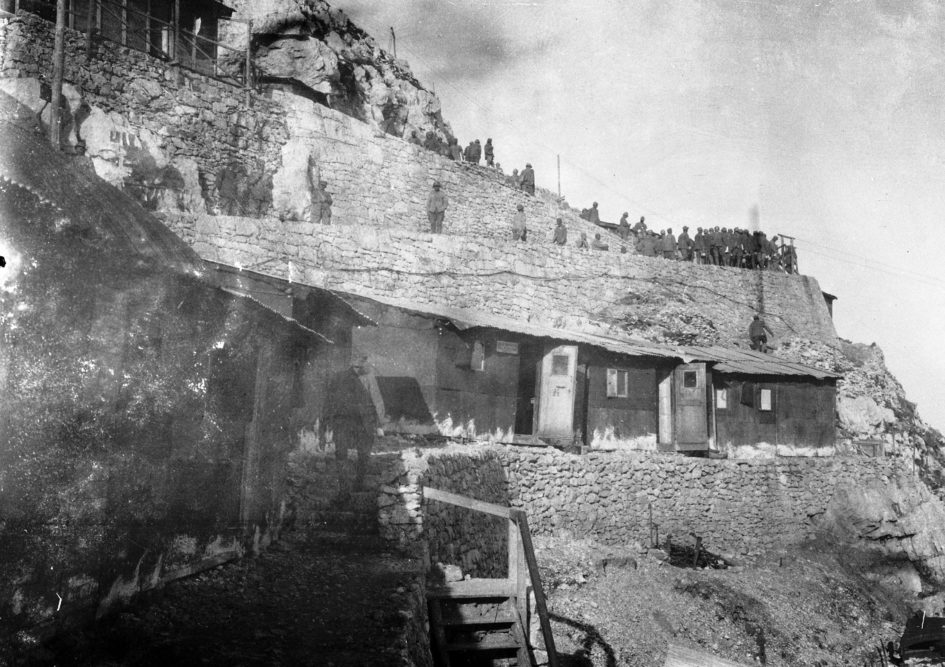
<point x="556" y="391"/>
<point x="666" y="410"/>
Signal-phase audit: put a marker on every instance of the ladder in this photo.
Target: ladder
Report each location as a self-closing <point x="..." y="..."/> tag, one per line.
<point x="485" y="621"/>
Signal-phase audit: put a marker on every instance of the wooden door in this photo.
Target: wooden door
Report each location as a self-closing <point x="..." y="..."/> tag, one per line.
<point x="556" y="391"/>
<point x="691" y="407"/>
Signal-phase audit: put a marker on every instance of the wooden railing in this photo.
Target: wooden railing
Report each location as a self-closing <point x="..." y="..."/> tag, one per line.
<point x="520" y="544"/>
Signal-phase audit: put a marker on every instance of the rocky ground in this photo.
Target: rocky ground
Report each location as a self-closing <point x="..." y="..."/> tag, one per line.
<point x="324" y="600"/>
<point x="809" y="608"/>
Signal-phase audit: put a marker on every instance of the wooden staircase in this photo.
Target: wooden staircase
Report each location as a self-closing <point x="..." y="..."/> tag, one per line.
<point x="485" y="621"/>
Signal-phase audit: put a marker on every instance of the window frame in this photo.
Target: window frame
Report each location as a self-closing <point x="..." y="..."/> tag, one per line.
<point x="612" y="383"/>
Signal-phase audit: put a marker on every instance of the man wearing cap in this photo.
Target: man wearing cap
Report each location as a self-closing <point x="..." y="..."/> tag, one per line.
<point x="640" y="228"/>
<point x="561" y="234"/>
<point x="668" y="244"/>
<point x="756" y="333"/>
<point x="528" y="179"/>
<point x="598" y="244"/>
<point x="700" y="247"/>
<point x="684" y="245"/>
<point x="436" y="208"/>
<point x="592" y="214"/>
<point x="623" y="227"/>
<point x="518" y="224"/>
<point x="489" y="153"/>
<point x="321" y="204"/>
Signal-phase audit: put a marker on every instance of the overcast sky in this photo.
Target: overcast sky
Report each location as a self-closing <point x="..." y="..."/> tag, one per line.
<point x="827" y="115"/>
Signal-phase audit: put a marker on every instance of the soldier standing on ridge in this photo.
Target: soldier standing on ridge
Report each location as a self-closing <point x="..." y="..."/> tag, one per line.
<point x="684" y="245"/>
<point x="436" y="208"/>
<point x="623" y="227"/>
<point x="518" y="224"/>
<point x="592" y="214"/>
<point x="456" y="153"/>
<point x="528" y="179"/>
<point x="489" y="152"/>
<point x="699" y="247"/>
<point x="668" y="244"/>
<point x="561" y="234"/>
<point x="640" y="228"/>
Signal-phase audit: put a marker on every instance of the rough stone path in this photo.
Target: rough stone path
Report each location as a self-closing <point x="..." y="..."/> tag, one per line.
<point x="326" y="600"/>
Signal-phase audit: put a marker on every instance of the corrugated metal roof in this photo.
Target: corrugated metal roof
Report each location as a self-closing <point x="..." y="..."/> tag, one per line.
<point x="750" y="362"/>
<point x="725" y="360"/>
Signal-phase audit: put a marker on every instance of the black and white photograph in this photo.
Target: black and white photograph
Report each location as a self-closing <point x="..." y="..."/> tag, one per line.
<point x="472" y="333"/>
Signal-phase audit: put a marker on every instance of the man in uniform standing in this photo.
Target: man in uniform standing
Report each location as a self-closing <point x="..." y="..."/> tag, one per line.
<point x="321" y="204"/>
<point x="756" y="333"/>
<point x="561" y="234"/>
<point x="623" y="227"/>
<point x="518" y="224"/>
<point x="668" y="244"/>
<point x="684" y="245"/>
<point x="436" y="208"/>
<point x="489" y="153"/>
<point x="528" y="179"/>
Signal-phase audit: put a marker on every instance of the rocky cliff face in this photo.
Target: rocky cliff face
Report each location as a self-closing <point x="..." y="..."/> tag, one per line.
<point x="316" y="51"/>
<point x="872" y="405"/>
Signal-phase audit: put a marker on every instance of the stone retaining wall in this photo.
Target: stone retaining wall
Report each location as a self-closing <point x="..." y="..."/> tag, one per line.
<point x="654" y="298"/>
<point x="736" y="507"/>
<point x="152" y="128"/>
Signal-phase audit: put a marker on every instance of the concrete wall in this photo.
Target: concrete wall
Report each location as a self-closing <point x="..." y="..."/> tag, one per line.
<point x="651" y="298"/>
<point x="737" y="507"/>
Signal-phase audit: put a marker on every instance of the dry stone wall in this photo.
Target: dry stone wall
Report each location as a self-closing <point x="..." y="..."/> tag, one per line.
<point x="736" y="507"/>
<point x="653" y="298"/>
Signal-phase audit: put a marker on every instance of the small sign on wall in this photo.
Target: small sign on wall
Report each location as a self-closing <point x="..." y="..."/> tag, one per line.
<point x="506" y="347"/>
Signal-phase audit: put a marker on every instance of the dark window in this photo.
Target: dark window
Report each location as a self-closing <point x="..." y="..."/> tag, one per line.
<point x="690" y="379"/>
<point x="560" y="364"/>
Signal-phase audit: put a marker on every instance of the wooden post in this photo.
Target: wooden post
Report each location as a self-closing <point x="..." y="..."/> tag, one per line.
<point x="92" y="9"/>
<point x="521" y="519"/>
<point x="175" y="31"/>
<point x="124" y="22"/>
<point x="58" y="65"/>
<point x="249" y="60"/>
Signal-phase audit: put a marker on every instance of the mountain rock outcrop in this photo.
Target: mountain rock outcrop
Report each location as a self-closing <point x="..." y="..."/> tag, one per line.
<point x="315" y="50"/>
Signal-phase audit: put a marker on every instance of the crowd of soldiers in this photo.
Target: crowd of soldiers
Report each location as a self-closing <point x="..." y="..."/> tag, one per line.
<point x="719" y="246"/>
<point x="474" y="153"/>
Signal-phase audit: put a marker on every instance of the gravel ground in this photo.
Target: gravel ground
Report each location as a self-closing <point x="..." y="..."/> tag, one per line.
<point x="806" y="609"/>
<point x="331" y="600"/>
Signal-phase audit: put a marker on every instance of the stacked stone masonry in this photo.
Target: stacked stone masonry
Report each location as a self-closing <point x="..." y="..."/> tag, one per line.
<point x="563" y="287"/>
<point x="145" y="106"/>
<point x="736" y="507"/>
<point x="173" y="113"/>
